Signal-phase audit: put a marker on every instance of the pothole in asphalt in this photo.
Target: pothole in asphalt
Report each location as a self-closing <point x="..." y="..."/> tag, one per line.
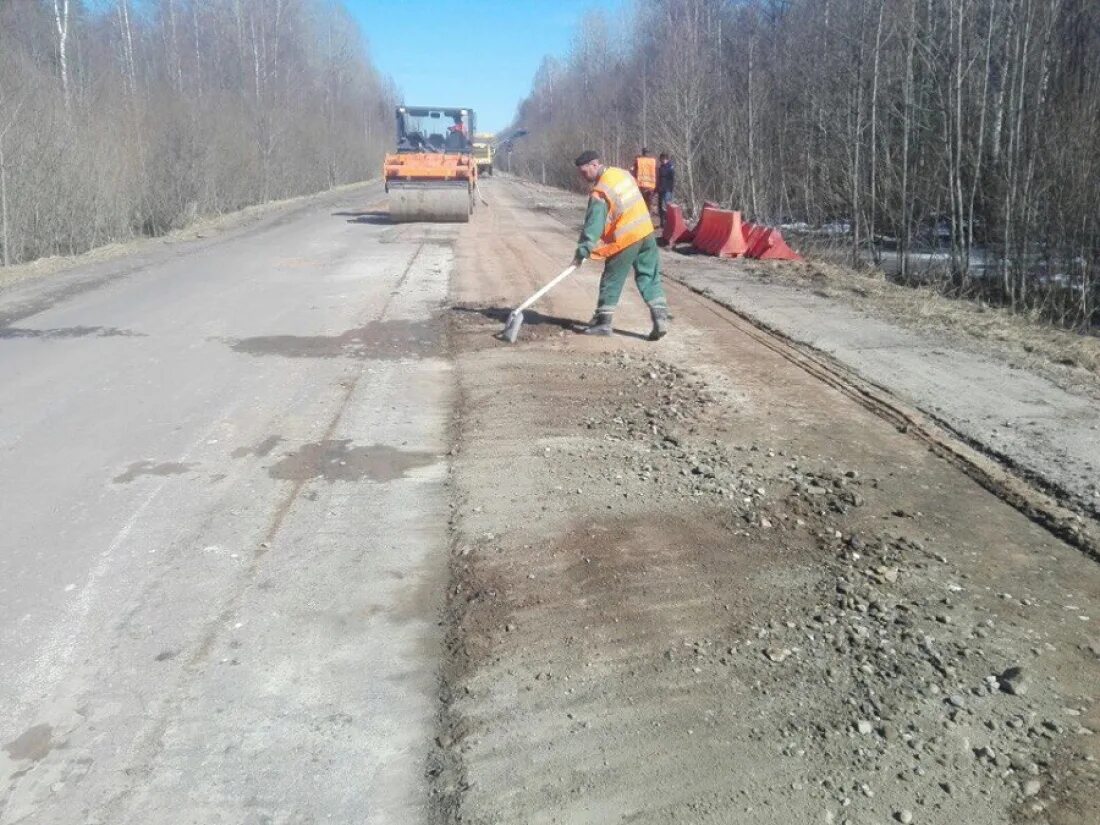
<point x="379" y="339"/>
<point x="34" y="744"/>
<point x="336" y="460"/>
<point x="151" y="468"/>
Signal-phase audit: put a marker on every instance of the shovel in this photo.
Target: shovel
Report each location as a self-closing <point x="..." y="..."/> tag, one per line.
<point x="515" y="319"/>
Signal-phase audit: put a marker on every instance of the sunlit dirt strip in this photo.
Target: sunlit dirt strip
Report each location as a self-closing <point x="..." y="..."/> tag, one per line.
<point x="634" y="640"/>
<point x="990" y="470"/>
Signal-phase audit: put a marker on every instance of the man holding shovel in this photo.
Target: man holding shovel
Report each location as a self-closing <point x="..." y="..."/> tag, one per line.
<point x="619" y="231"/>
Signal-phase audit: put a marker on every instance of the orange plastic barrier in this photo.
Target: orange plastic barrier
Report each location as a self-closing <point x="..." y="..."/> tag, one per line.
<point x="704" y="228"/>
<point x="675" y="229"/>
<point x="772" y="247"/>
<point x="753" y="232"/>
<point x="706" y="205"/>
<point x="719" y="233"/>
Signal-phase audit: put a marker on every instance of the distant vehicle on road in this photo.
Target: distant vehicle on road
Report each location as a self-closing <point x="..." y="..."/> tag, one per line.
<point x="483" y="152"/>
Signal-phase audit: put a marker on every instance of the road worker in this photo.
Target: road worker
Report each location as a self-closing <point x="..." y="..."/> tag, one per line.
<point x="644" y="170"/>
<point x="666" y="182"/>
<point x="618" y="230"/>
<point x="457" y="140"/>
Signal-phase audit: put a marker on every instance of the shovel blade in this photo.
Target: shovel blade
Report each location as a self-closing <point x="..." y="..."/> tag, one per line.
<point x="511" y="329"/>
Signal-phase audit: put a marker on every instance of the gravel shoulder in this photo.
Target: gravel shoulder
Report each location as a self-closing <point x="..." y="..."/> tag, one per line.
<point x="1024" y="393"/>
<point x="693" y="583"/>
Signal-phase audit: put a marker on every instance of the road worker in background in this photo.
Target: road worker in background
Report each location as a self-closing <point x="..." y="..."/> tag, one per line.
<point x="619" y="231"/>
<point x="644" y="171"/>
<point x="666" y="182"/>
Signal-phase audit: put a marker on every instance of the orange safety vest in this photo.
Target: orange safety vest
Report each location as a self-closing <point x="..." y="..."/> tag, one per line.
<point x="628" y="218"/>
<point x="646" y="170"/>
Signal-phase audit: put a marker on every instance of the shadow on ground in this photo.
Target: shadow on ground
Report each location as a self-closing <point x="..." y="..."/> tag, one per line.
<point x="534" y="318"/>
<point x="365" y="216"/>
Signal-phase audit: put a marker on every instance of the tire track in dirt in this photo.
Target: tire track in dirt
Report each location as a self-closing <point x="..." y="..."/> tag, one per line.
<point x="1030" y="495"/>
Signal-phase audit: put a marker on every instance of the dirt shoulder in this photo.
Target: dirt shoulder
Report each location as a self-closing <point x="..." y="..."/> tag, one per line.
<point x="1024" y="393"/>
<point x="694" y="583"/>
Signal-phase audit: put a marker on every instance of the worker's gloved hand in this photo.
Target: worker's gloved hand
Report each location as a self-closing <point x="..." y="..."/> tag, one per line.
<point x="577" y="260"/>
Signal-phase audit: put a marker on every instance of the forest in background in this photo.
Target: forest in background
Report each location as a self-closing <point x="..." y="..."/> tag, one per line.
<point x="121" y="118"/>
<point x="967" y="126"/>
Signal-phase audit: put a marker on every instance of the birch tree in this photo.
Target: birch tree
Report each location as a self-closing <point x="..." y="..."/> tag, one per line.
<point x="61" y="21"/>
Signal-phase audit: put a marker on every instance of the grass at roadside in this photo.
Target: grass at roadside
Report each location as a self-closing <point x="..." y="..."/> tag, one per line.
<point x="923" y="308"/>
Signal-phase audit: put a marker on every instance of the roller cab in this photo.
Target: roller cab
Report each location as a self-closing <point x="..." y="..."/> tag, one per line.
<point x="432" y="174"/>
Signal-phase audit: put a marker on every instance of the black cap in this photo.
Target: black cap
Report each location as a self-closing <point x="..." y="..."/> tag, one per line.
<point x="587" y="156"/>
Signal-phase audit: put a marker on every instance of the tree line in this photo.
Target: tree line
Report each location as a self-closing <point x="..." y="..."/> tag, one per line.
<point x="133" y="117"/>
<point x="968" y="125"/>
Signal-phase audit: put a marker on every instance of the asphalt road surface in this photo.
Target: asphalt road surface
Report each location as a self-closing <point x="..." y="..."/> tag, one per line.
<point x="224" y="528"/>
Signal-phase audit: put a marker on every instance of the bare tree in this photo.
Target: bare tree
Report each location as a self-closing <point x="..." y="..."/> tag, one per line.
<point x="11" y="115"/>
<point x="61" y="20"/>
<point x="896" y="123"/>
<point x="169" y="109"/>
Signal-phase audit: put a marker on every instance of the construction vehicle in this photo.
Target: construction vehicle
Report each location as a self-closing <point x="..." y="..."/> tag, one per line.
<point x="483" y="152"/>
<point x="432" y="175"/>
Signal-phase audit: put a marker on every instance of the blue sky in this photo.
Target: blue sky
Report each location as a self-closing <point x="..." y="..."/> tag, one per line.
<point x="480" y="53"/>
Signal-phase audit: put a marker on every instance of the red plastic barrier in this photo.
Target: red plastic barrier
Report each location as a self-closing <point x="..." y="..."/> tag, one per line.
<point x="704" y="230"/>
<point x="706" y="205"/>
<point x="719" y="233"/>
<point x="772" y="247"/>
<point x="706" y="233"/>
<point x="675" y="229"/>
<point x="753" y="233"/>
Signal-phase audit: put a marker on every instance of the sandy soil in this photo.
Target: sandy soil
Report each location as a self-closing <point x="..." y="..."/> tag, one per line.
<point x="694" y="582"/>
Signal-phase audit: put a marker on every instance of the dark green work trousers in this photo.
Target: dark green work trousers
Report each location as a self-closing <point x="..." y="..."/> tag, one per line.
<point x="645" y="260"/>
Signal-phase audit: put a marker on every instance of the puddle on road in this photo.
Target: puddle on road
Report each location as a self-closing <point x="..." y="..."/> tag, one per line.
<point x="261" y="450"/>
<point x="336" y="460"/>
<point x="151" y="468"/>
<point x="68" y="332"/>
<point x="379" y="339"/>
<point x="33" y="744"/>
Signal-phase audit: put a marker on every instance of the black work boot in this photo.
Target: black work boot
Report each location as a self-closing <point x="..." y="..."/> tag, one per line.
<point x="660" y="323"/>
<point x="600" y="324"/>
